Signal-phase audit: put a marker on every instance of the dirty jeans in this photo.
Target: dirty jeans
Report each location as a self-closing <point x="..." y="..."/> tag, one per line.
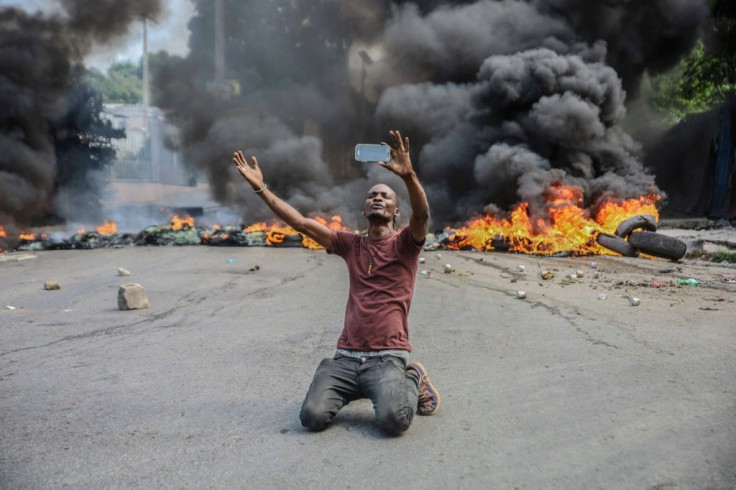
<point x="384" y="379"/>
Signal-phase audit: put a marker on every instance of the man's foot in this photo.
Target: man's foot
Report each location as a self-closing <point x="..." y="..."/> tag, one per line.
<point x="429" y="397"/>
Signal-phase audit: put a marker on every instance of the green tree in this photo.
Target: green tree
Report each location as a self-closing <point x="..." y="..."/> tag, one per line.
<point x="123" y="83"/>
<point x="707" y="75"/>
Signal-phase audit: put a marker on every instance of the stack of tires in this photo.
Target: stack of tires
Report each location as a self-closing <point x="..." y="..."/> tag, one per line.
<point x="638" y="234"/>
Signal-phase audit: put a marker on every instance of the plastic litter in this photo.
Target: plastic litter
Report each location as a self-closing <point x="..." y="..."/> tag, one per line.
<point x="689" y="282"/>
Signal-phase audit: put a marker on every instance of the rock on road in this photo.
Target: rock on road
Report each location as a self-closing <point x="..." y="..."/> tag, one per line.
<point x="203" y="389"/>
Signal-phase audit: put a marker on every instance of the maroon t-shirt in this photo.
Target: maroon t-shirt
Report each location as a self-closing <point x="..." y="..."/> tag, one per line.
<point x="377" y="313"/>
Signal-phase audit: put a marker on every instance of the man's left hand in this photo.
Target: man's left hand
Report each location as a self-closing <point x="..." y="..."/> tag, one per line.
<point x="400" y="163"/>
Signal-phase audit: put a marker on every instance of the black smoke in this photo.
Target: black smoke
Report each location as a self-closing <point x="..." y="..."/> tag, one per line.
<point x="500" y="98"/>
<point x="50" y="129"/>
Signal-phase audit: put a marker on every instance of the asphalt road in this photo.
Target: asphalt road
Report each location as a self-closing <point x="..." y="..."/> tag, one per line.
<point x="558" y="390"/>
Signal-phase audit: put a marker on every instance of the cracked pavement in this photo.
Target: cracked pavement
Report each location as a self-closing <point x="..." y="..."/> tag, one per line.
<point x="558" y="390"/>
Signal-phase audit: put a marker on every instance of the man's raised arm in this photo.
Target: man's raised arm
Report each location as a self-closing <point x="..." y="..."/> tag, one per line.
<point x="253" y="175"/>
<point x="400" y="164"/>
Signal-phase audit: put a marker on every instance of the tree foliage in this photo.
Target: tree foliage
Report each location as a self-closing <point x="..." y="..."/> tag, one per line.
<point x="123" y="83"/>
<point x="707" y="75"/>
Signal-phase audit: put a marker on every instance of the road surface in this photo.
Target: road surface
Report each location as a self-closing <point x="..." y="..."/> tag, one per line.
<point x="203" y="389"/>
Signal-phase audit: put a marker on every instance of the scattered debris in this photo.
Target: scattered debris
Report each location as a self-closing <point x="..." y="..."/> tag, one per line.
<point x="132" y="297"/>
<point x="255" y="268"/>
<point x="520" y="268"/>
<point x="422" y="260"/>
<point x="521" y="294"/>
<point x="547" y="275"/>
<point x="230" y="261"/>
<point x="633" y="301"/>
<point x="123" y="272"/>
<point x="426" y="273"/>
<point x="602" y="296"/>
<point x="594" y="265"/>
<point x="449" y="269"/>
<point x="51" y="285"/>
<point x="10" y="307"/>
<point x="688" y="282"/>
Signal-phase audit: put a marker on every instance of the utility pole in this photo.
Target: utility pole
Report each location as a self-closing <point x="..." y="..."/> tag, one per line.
<point x="146" y="95"/>
<point x="219" y="42"/>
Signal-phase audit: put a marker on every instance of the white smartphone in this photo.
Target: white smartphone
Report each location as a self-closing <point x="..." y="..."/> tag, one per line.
<point x="372" y="153"/>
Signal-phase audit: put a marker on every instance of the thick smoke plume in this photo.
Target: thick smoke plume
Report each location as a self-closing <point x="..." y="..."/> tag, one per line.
<point x="39" y="54"/>
<point x="501" y="99"/>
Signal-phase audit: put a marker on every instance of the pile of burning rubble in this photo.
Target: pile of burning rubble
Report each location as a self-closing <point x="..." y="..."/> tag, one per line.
<point x="563" y="227"/>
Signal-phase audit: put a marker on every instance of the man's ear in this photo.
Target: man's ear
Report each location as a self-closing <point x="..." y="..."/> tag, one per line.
<point x="397" y="212"/>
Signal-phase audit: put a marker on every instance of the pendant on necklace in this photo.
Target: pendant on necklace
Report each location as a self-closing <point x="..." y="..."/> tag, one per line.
<point x="370" y="267"/>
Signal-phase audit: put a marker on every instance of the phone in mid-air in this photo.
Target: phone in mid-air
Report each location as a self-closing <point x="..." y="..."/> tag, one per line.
<point x="372" y="153"/>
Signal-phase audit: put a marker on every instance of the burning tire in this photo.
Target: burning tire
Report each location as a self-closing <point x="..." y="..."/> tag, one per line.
<point x="617" y="244"/>
<point x="658" y="245"/>
<point x="641" y="221"/>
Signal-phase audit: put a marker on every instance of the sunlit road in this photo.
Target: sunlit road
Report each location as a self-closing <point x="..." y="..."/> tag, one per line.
<point x="203" y="390"/>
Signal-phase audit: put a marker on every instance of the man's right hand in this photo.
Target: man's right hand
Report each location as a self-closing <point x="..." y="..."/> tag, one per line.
<point x="252" y="174"/>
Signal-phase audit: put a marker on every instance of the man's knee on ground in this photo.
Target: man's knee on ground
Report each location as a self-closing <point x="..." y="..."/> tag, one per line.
<point x="315" y="417"/>
<point x="395" y="422"/>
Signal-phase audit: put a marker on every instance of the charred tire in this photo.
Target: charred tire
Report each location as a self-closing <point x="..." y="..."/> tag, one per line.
<point x="617" y="244"/>
<point x="658" y="245"/>
<point x="647" y="222"/>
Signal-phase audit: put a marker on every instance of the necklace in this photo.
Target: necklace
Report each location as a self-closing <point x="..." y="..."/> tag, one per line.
<point x="371" y="255"/>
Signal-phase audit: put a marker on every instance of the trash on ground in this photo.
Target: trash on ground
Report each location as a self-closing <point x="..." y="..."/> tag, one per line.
<point x="634" y="301"/>
<point x="688" y="282"/>
<point x="546" y="275"/>
<point x="51" y="285"/>
<point x="520" y="268"/>
<point x="123" y="272"/>
<point x="449" y="269"/>
<point x="602" y="296"/>
<point x="230" y="261"/>
<point x="521" y="294"/>
<point x="255" y="268"/>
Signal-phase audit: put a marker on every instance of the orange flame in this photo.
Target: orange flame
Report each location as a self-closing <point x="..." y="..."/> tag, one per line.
<point x="108" y="228"/>
<point x="2" y="233"/>
<point x="335" y="223"/>
<point x="185" y="222"/>
<point x="27" y="236"/>
<point x="260" y="226"/>
<point x="566" y="227"/>
<point x="277" y="231"/>
<point x="81" y="231"/>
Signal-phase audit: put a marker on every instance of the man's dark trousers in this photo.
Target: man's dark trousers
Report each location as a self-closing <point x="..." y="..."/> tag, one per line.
<point x="392" y="388"/>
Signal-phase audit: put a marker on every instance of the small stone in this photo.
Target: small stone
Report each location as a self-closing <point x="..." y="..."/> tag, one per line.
<point x="132" y="297"/>
<point x="51" y="285"/>
<point x="521" y="294"/>
<point x="634" y="301"/>
<point x="596" y="275"/>
<point x="579" y="273"/>
<point x="449" y="268"/>
<point x="594" y="265"/>
<point x="602" y="296"/>
<point x="546" y="275"/>
<point x="520" y="268"/>
<point x="123" y="272"/>
<point x="422" y="260"/>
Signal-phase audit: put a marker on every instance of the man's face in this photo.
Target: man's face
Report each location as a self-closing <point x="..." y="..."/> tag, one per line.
<point x="380" y="204"/>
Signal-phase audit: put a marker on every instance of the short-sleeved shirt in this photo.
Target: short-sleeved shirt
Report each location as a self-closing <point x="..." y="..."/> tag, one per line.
<point x="382" y="276"/>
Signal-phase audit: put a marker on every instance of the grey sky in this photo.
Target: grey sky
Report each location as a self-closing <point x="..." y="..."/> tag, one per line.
<point x="170" y="33"/>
